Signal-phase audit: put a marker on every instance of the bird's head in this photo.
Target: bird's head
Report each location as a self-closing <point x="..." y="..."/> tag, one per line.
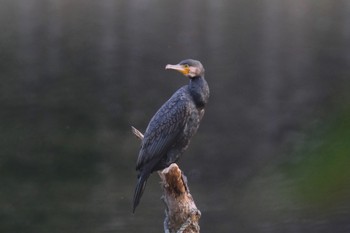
<point x="189" y="67"/>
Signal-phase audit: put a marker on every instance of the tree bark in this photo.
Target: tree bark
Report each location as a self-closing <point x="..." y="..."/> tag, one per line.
<point x="181" y="213"/>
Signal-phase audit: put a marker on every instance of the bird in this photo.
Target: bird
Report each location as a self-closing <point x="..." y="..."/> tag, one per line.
<point x="170" y="130"/>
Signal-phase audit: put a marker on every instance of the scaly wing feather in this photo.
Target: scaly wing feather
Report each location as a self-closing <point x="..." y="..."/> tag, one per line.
<point x="164" y="128"/>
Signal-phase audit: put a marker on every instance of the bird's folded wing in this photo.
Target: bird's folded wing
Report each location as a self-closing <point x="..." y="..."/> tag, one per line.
<point x="164" y="130"/>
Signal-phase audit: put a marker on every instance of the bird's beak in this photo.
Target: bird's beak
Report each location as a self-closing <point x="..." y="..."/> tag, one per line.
<point x="180" y="68"/>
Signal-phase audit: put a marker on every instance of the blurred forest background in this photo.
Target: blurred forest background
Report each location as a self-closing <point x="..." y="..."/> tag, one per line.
<point x="272" y="153"/>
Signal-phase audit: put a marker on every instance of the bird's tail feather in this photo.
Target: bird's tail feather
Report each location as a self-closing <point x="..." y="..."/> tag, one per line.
<point x="140" y="187"/>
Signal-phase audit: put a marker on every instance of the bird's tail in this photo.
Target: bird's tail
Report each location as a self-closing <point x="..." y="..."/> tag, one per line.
<point x="140" y="187"/>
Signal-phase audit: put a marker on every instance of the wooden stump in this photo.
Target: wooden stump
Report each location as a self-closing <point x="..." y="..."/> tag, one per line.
<point x="181" y="213"/>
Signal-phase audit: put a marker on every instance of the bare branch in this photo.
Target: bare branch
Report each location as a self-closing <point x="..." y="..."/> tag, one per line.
<point x="137" y="133"/>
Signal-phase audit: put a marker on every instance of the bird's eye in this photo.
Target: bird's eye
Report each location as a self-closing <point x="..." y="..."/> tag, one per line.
<point x="186" y="65"/>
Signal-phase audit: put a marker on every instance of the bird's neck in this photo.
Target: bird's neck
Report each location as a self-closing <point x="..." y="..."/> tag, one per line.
<point x="199" y="91"/>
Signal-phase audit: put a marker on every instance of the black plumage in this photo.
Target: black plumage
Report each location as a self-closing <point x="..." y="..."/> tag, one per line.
<point x="169" y="132"/>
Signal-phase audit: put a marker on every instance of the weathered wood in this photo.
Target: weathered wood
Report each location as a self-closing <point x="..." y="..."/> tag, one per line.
<point x="181" y="213"/>
<point x="136" y="132"/>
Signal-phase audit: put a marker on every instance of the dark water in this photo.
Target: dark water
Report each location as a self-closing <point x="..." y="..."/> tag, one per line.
<point x="271" y="155"/>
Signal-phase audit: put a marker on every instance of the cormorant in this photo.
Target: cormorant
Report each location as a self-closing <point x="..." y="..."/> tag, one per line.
<point x="169" y="132"/>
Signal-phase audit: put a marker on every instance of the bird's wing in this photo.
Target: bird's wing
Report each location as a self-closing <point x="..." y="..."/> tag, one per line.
<point x="164" y="128"/>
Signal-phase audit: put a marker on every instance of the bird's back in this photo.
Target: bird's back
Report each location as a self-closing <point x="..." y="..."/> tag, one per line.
<point x="165" y="129"/>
